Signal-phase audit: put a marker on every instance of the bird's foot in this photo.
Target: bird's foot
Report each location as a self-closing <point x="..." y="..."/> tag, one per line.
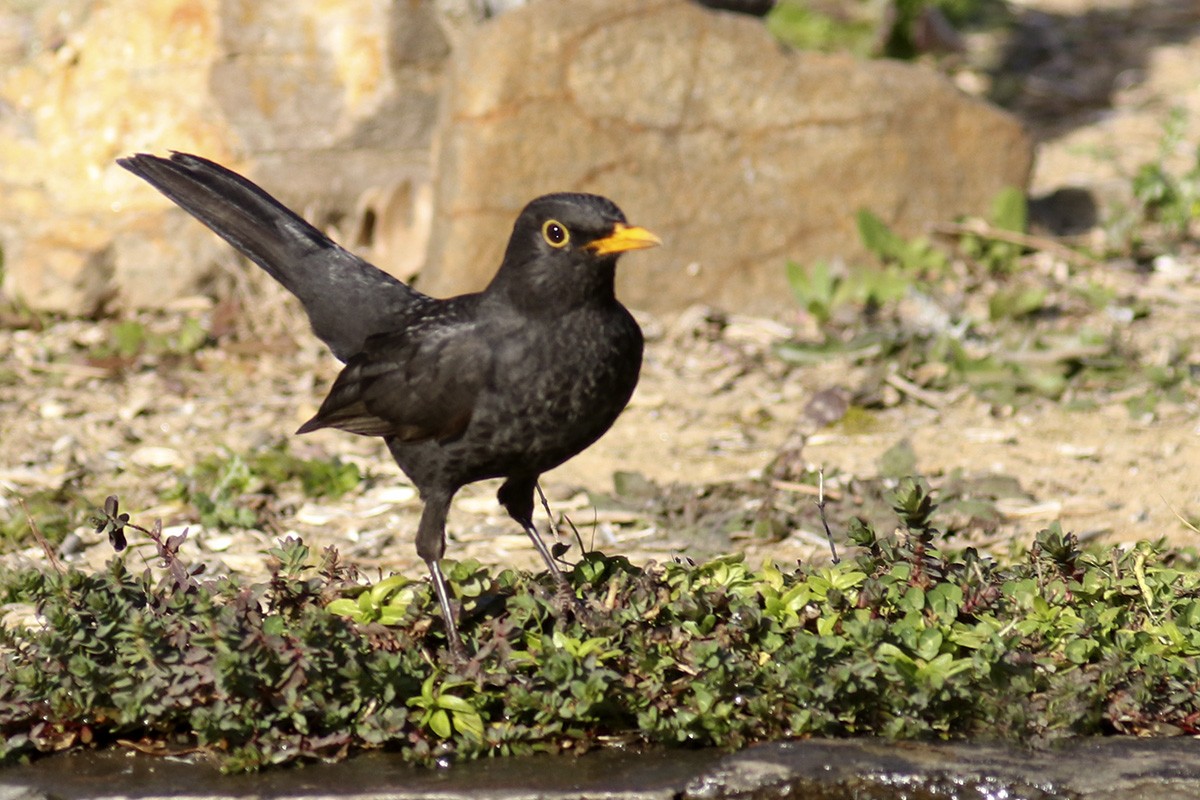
<point x="567" y="604"/>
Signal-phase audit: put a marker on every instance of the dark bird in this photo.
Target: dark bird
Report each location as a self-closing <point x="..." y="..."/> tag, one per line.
<point x="504" y="383"/>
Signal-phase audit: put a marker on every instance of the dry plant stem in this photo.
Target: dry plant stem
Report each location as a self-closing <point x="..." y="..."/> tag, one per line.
<point x="546" y="506"/>
<point x="824" y="521"/>
<point x="932" y="399"/>
<point x="1183" y="520"/>
<point x="41" y="539"/>
<point x="796" y="487"/>
<point x="977" y="228"/>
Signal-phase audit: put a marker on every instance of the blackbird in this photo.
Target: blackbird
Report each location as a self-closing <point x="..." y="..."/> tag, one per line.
<point x="504" y="383"/>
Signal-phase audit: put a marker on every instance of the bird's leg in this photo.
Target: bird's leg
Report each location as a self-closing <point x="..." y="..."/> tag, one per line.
<point x="516" y="495"/>
<point x="431" y="546"/>
<point x="443" y="595"/>
<point x="545" y="553"/>
<point x="564" y="594"/>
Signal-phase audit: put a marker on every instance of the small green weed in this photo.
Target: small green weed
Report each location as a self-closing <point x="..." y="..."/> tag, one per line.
<point x="129" y="339"/>
<point x="905" y="639"/>
<point x="1166" y="204"/>
<point x="868" y="28"/>
<point x="1010" y="212"/>
<point x="225" y="489"/>
<point x="806" y="27"/>
<point x="975" y="315"/>
<point x="1172" y="201"/>
<point x="912" y="265"/>
<point x="826" y="292"/>
<point x="916" y="258"/>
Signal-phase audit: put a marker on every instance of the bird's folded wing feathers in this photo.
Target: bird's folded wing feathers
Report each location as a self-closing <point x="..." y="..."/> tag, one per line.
<point x="412" y="385"/>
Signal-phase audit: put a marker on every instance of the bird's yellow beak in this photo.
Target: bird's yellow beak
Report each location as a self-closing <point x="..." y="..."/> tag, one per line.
<point x="623" y="237"/>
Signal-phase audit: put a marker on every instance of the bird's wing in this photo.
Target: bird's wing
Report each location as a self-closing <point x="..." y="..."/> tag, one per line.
<point x="346" y="298"/>
<point x="418" y="383"/>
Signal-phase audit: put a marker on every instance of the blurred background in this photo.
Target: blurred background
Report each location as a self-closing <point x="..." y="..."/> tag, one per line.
<point x="416" y="130"/>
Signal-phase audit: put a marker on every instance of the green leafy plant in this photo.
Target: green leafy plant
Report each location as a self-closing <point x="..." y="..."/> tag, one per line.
<point x="892" y="30"/>
<point x="970" y="313"/>
<point x="906" y="639"/>
<point x="807" y="27"/>
<point x="1172" y="200"/>
<point x="824" y="290"/>
<point x="916" y="257"/>
<point x="999" y="255"/>
<point x="388" y="602"/>
<point x="129" y="339"/>
<point x="1165" y="201"/>
<point x="446" y="714"/>
<point x="818" y="289"/>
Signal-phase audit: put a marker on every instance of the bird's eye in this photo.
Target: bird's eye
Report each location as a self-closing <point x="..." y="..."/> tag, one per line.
<point x="555" y="234"/>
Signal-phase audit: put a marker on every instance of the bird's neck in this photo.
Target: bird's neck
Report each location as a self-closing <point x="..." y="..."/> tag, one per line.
<point x="556" y="294"/>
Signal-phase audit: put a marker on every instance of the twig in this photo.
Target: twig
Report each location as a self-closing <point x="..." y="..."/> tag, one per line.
<point x="554" y="528"/>
<point x="41" y="538"/>
<point x="809" y="537"/>
<point x="1054" y="356"/>
<point x="821" y="512"/>
<point x="1186" y="523"/>
<point x="936" y="400"/>
<point x="796" y="487"/>
<point x="68" y="368"/>
<point x="1033" y="242"/>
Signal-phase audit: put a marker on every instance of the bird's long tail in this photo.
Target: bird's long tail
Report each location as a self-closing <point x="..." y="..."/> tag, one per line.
<point x="347" y="299"/>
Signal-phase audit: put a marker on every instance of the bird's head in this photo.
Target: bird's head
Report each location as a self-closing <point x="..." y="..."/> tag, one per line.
<point x="564" y="250"/>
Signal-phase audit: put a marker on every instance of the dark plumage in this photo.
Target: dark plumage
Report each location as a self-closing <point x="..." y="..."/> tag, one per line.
<point x="505" y="383"/>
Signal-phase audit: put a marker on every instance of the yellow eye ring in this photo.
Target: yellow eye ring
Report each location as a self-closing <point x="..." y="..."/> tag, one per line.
<point x="555" y="233"/>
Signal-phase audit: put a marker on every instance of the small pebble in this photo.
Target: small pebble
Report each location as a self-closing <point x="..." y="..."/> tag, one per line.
<point x="394" y="494"/>
<point x="155" y="457"/>
<point x="52" y="409"/>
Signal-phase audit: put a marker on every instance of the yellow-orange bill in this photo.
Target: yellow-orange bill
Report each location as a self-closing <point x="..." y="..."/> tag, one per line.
<point x="624" y="237"/>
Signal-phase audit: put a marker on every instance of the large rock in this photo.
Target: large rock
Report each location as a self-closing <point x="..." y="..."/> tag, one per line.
<point x="741" y="155"/>
<point x="332" y="105"/>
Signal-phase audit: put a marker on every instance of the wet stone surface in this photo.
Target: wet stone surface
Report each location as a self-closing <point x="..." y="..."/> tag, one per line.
<point x="1092" y="769"/>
